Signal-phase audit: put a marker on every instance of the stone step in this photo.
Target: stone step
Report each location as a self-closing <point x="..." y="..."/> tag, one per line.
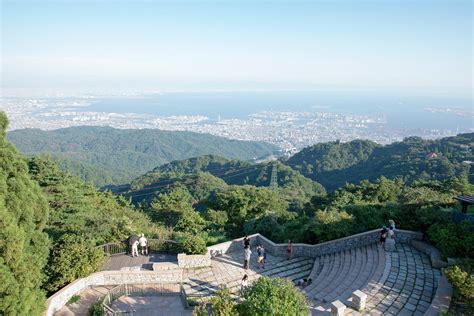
<point x="353" y="270"/>
<point x="324" y="267"/>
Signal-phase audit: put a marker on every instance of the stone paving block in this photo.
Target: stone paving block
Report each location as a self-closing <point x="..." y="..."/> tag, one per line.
<point x="410" y="307"/>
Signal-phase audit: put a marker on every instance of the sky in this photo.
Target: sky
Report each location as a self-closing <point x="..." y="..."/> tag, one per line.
<point x="406" y="46"/>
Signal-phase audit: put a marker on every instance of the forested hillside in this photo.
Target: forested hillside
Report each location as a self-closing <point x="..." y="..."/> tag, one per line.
<point x="24" y="246"/>
<point x="106" y="155"/>
<point x="334" y="164"/>
<point x="218" y="171"/>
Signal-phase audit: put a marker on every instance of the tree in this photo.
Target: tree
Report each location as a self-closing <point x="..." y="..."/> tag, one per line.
<point x="23" y="244"/>
<point x="167" y="208"/>
<point x="220" y="305"/>
<point x="243" y="203"/>
<point x="276" y="297"/>
<point x="72" y="258"/>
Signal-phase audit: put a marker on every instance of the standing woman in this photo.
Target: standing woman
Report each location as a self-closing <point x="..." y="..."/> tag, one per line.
<point x="289" y="249"/>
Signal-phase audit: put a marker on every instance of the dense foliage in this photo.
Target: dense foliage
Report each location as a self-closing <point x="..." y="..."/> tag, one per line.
<point x="268" y="296"/>
<point x="333" y="164"/>
<point x="81" y="218"/>
<point x="24" y="246"/>
<point x="211" y="173"/>
<point x="100" y="154"/>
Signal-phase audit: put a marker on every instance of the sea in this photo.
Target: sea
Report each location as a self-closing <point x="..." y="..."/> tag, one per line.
<point x="399" y="112"/>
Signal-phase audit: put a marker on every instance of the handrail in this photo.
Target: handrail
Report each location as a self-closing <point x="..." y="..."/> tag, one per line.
<point x="137" y="290"/>
<point x="121" y="247"/>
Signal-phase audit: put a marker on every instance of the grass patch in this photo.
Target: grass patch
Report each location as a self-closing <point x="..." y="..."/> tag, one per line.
<point x="74" y="299"/>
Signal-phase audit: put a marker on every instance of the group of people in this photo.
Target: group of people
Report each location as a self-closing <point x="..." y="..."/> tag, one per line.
<point x="134" y="242"/>
<point x="387" y="232"/>
<point x="261" y="254"/>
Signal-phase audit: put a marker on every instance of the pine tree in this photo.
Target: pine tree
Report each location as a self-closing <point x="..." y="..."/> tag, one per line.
<point x="24" y="246"/>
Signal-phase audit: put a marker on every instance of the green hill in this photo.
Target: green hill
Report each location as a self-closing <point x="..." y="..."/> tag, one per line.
<point x="292" y="185"/>
<point x="106" y="155"/>
<point x="333" y="164"/>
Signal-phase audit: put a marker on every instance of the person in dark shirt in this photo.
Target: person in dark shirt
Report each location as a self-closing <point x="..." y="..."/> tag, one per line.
<point x="383" y="235"/>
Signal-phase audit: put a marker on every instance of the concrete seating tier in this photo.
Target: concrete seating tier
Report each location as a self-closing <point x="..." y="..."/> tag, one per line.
<point x="336" y="276"/>
<point x="396" y="283"/>
<point x="228" y="270"/>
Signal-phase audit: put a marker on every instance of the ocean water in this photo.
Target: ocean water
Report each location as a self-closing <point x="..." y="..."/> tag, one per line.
<point x="401" y="112"/>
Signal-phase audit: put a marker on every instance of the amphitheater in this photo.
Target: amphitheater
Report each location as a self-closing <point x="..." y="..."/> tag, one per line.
<point x="351" y="276"/>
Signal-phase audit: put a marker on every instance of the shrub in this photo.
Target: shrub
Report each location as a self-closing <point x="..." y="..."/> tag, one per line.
<point x="74" y="299"/>
<point x="191" y="244"/>
<point x="222" y="305"/>
<point x="96" y="309"/>
<point x="454" y="240"/>
<point x="73" y="258"/>
<point x="462" y="281"/>
<point x="269" y="296"/>
<point x="331" y="224"/>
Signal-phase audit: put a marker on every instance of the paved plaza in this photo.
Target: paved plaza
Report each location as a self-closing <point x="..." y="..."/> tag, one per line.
<point x="169" y="305"/>
<point x="396" y="283"/>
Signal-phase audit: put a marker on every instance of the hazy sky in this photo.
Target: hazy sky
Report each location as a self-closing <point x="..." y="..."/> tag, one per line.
<point x="394" y="45"/>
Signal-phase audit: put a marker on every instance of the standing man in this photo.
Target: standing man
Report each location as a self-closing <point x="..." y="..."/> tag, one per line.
<point x="247" y="253"/>
<point x="143" y="245"/>
<point x="132" y="240"/>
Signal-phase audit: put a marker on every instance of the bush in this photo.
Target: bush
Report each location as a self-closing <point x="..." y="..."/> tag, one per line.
<point x="222" y="305"/>
<point x="73" y="258"/>
<point x="191" y="244"/>
<point x="454" y="240"/>
<point x="269" y="296"/>
<point x="96" y="309"/>
<point x="463" y="281"/>
<point x="74" y="299"/>
<point x="331" y="224"/>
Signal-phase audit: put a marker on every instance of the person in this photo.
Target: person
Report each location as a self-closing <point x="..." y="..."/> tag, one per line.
<point x="392" y="224"/>
<point x="244" y="284"/>
<point x="246" y="242"/>
<point x="264" y="256"/>
<point x="302" y="282"/>
<point x="260" y="257"/>
<point x="391" y="233"/>
<point x="289" y="249"/>
<point x="247" y="253"/>
<point x="143" y="245"/>
<point x="383" y="235"/>
<point x="131" y="241"/>
<point x="135" y="249"/>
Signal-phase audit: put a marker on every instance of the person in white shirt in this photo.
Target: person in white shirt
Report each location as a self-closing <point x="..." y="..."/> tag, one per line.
<point x="247" y="253"/>
<point x="143" y="245"/>
<point x="135" y="249"/>
<point x="244" y="284"/>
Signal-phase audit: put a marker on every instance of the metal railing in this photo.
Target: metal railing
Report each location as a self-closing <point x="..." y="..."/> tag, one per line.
<point x="155" y="289"/>
<point x="154" y="245"/>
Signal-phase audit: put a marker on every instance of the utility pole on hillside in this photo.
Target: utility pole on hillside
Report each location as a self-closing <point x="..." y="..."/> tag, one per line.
<point x="274" y="179"/>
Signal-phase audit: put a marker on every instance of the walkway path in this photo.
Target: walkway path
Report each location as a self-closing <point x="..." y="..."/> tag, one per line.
<point x="170" y="305"/>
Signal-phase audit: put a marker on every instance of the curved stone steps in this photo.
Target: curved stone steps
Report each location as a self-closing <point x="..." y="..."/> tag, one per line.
<point x="352" y="270"/>
<point x="323" y="270"/>
<point x="339" y="263"/>
<point x="406" y="284"/>
<point x="294" y="269"/>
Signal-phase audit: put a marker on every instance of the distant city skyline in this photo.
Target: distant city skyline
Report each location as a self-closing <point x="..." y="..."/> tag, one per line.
<point x="398" y="46"/>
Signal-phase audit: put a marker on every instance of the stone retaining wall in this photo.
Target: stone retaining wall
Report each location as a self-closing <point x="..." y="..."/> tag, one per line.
<point x="59" y="299"/>
<point x="193" y="261"/>
<point x="337" y="245"/>
<point x="306" y="250"/>
<point x="232" y="245"/>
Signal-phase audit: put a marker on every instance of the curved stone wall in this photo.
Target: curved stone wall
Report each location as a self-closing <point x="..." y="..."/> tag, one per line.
<point x="60" y="298"/>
